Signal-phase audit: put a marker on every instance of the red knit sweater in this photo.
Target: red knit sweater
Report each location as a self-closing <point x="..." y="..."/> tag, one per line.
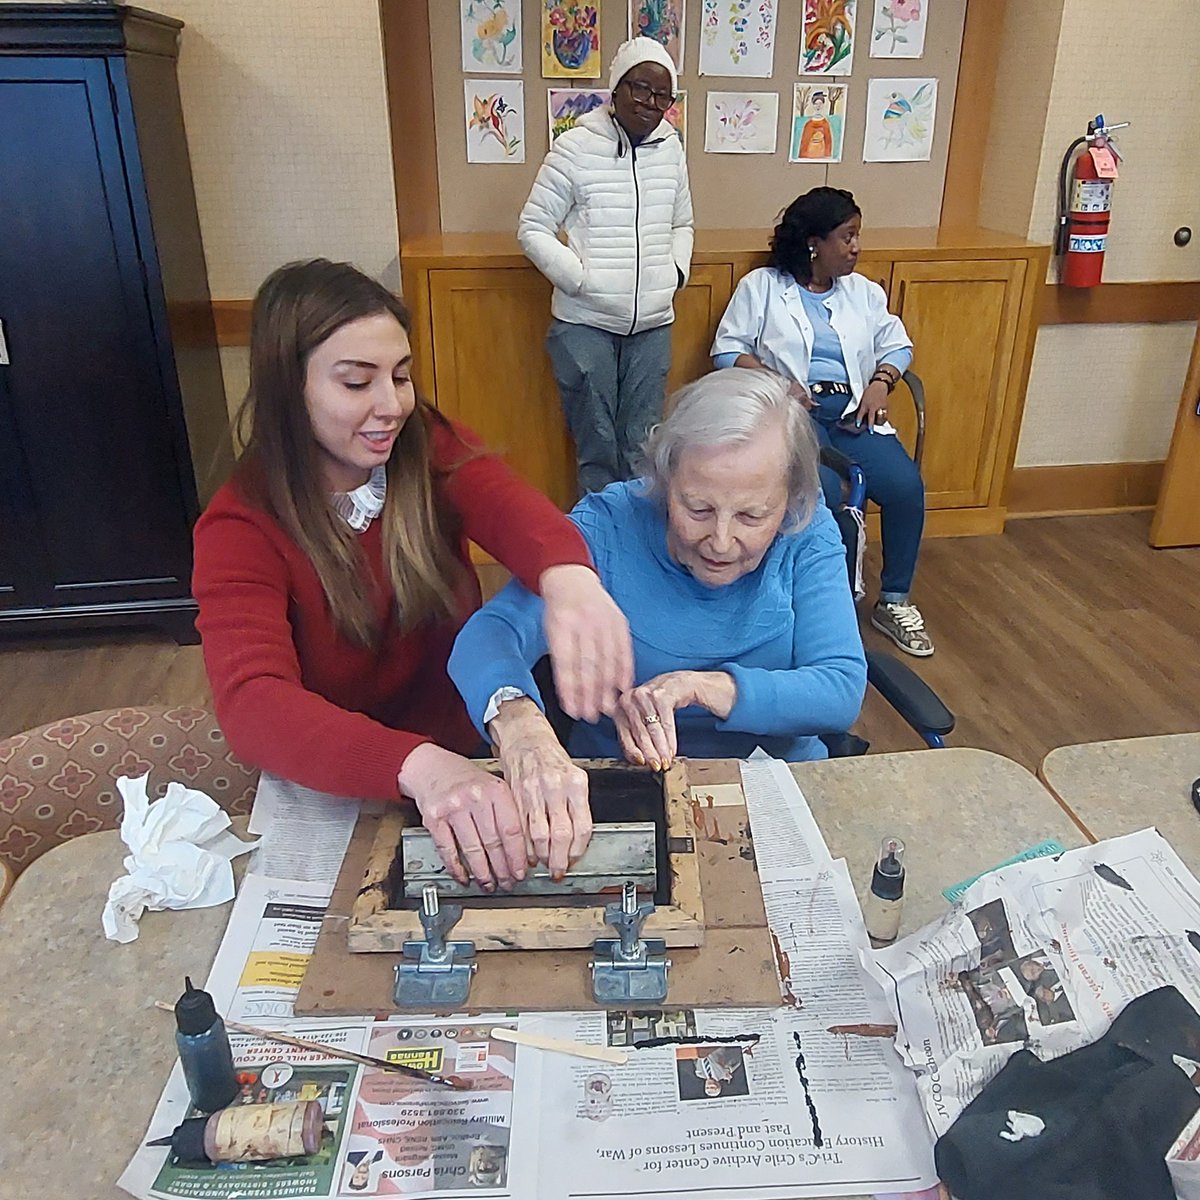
<point x="296" y="698"/>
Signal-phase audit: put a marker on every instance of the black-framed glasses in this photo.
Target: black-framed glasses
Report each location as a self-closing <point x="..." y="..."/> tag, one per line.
<point x="643" y="93"/>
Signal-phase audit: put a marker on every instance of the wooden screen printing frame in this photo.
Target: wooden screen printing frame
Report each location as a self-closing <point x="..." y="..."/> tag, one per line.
<point x="374" y="927"/>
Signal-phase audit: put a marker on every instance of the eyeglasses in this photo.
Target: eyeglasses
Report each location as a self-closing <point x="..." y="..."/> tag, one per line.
<point x="643" y="93"/>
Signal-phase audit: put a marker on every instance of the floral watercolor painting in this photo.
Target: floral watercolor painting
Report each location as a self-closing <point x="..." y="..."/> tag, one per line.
<point x="900" y="115"/>
<point x="741" y="122"/>
<point x="491" y="35"/>
<point x="828" y="44"/>
<point x="818" y="122"/>
<point x="737" y="37"/>
<point x="495" y="118"/>
<point x="566" y="105"/>
<point x="898" y="30"/>
<point x="662" y="20"/>
<point x="570" y="40"/>
<point x="676" y="116"/>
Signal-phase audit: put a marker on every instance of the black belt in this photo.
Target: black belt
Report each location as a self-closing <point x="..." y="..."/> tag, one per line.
<point x="829" y="389"/>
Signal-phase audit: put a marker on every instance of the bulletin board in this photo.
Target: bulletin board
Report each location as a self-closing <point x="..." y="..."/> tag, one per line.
<point x="730" y="191"/>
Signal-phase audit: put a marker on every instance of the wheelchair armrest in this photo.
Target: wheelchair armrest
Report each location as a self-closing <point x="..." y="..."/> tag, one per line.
<point x="908" y="694"/>
<point x="917" y="390"/>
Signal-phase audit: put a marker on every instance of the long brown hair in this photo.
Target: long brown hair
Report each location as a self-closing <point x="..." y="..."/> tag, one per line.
<point x="296" y="309"/>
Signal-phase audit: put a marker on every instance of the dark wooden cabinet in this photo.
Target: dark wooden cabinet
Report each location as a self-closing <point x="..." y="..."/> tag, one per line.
<point x="113" y="424"/>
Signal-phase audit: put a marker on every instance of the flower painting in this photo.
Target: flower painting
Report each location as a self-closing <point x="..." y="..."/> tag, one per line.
<point x="566" y="105"/>
<point x="676" y="116"/>
<point x="662" y="20"/>
<point x="828" y="45"/>
<point x="495" y="117"/>
<point x="741" y="122"/>
<point x="491" y="35"/>
<point x="900" y="114"/>
<point x="737" y="37"/>
<point x="570" y="40"/>
<point x="898" y="30"/>
<point x="818" y="122"/>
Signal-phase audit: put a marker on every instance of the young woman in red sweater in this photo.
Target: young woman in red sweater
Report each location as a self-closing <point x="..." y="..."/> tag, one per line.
<point x="332" y="576"/>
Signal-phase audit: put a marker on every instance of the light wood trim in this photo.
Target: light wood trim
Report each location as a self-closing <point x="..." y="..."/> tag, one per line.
<point x="1122" y="303"/>
<point x="1177" y="518"/>
<point x="408" y="75"/>
<point x="974" y="93"/>
<point x="950" y="522"/>
<point x="232" y="319"/>
<point x="1086" y="487"/>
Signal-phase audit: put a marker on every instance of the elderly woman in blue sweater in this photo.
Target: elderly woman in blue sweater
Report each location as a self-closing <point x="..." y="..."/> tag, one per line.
<point x="732" y="575"/>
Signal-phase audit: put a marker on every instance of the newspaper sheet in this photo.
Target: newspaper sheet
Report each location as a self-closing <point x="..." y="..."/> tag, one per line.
<point x="385" y="1134"/>
<point x="1041" y="954"/>
<point x="808" y="1100"/>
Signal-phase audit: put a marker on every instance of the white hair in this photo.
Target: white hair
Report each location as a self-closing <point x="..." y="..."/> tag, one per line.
<point x="727" y="408"/>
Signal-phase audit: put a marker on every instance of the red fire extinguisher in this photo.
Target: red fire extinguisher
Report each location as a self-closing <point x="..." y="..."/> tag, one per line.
<point x="1085" y="201"/>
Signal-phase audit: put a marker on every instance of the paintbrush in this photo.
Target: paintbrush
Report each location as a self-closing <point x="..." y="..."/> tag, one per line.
<point x="367" y="1060"/>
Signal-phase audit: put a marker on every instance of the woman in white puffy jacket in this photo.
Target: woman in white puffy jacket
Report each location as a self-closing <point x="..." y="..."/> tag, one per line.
<point x="617" y="184"/>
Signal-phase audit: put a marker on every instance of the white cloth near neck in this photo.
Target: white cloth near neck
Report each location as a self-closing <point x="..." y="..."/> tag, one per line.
<point x="361" y="506"/>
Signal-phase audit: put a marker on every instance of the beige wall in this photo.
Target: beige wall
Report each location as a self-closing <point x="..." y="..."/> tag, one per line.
<point x="1099" y="393"/>
<point x="729" y="191"/>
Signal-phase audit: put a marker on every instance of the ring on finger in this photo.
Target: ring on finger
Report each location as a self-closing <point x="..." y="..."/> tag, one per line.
<point x="652" y="719"/>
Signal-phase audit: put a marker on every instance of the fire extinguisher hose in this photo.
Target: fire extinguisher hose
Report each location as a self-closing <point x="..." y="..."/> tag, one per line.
<point x="1064" y="198"/>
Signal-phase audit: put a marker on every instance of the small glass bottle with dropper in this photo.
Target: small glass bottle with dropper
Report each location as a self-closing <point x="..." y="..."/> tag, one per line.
<point x="885" y="901"/>
<point x="204" y="1051"/>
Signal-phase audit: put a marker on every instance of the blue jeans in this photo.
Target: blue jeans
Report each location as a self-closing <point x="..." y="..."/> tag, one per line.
<point x="612" y="388"/>
<point x="893" y="482"/>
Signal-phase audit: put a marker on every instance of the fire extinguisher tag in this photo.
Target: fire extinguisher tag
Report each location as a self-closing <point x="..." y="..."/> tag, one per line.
<point x="1105" y="162"/>
<point x="1086" y="245"/>
<point x="1091" y="195"/>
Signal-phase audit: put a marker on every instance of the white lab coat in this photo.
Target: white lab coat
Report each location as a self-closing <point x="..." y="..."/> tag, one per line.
<point x="766" y="318"/>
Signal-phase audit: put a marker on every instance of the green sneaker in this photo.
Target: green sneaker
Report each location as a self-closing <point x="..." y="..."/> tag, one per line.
<point x="904" y="624"/>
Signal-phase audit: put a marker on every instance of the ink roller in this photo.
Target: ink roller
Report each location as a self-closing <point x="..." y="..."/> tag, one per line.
<point x="249" y="1133"/>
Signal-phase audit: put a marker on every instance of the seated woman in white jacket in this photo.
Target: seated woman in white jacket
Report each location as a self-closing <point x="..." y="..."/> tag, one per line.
<point x="809" y="318"/>
<point x="618" y="184"/>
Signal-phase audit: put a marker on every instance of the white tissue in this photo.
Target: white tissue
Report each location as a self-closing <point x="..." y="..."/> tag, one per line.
<point x="180" y="852"/>
<point x="1022" y="1125"/>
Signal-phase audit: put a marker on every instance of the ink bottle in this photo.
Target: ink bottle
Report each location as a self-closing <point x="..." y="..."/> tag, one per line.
<point x="885" y="902"/>
<point x="204" y="1051"/>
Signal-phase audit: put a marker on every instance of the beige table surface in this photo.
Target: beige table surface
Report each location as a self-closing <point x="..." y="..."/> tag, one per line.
<point x="85" y="1057"/>
<point x="1118" y="787"/>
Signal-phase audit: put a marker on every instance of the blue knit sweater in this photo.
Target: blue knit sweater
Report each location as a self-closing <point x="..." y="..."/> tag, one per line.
<point x="786" y="632"/>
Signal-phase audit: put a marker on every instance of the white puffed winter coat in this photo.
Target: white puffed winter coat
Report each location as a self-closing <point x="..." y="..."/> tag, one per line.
<point x="627" y="212"/>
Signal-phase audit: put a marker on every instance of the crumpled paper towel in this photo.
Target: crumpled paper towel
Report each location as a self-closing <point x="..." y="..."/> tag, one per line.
<point x="181" y="848"/>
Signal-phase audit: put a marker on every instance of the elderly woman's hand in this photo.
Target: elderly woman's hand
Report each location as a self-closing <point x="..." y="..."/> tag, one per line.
<point x="872" y="408"/>
<point x="588" y="638"/>
<point x="645" y="718"/>
<point x="551" y="791"/>
<point x="470" y="814"/>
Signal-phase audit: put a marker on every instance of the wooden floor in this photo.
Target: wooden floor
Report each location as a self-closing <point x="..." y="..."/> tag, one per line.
<point x="1067" y="629"/>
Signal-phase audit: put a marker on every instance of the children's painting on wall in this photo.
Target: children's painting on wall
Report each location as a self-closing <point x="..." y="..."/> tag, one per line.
<point x="741" y="122"/>
<point x="491" y="35"/>
<point x="900" y="115"/>
<point x="737" y="37"/>
<point x="818" y="122"/>
<point x="676" y="116"/>
<point x="828" y="44"/>
<point x="566" y="105"/>
<point x="495" y="114"/>
<point x="898" y="30"/>
<point x="662" y="20"/>
<point x="570" y="40"/>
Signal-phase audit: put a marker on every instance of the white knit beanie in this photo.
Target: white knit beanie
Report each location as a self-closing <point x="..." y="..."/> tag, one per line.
<point x="639" y="50"/>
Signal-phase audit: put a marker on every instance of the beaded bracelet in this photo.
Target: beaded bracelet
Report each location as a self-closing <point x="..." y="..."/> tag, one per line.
<point x="885" y="378"/>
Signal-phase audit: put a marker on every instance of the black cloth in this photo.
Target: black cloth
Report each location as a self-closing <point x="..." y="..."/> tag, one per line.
<point x="1112" y="1110"/>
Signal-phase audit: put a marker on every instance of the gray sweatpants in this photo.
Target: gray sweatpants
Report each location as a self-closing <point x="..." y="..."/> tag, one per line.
<point x="612" y="388"/>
